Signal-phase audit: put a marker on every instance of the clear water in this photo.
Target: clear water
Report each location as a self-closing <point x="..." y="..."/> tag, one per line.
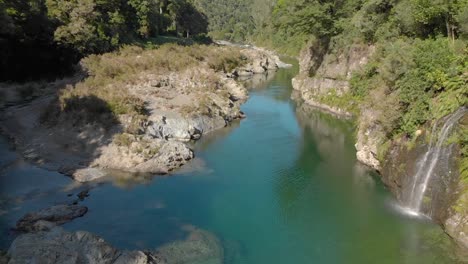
<point x="281" y="186"/>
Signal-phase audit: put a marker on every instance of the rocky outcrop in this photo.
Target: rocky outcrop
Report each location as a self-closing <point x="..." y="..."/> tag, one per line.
<point x="261" y="62"/>
<point x="456" y="224"/>
<point x="47" y="218"/>
<point x="324" y="71"/>
<point x="58" y="246"/>
<point x="369" y="138"/>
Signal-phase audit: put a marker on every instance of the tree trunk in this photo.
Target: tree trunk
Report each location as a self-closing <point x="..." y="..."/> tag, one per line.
<point x="447" y="24"/>
<point x="450" y="30"/>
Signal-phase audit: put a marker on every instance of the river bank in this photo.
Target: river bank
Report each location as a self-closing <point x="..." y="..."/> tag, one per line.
<point x="76" y="132"/>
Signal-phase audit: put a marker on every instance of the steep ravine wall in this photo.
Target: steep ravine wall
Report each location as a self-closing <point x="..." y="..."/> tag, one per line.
<point x="325" y="71"/>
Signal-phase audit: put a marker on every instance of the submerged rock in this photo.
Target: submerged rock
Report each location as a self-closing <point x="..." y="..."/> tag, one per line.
<point x="200" y="247"/>
<point x="88" y="174"/>
<point x="47" y="218"/>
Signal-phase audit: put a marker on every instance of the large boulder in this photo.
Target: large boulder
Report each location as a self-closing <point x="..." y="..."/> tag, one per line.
<point x="172" y="155"/>
<point x="58" y="246"/>
<point x="46" y="218"/>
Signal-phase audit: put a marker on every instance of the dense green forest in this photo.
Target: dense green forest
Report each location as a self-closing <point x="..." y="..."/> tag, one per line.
<point x="41" y="37"/>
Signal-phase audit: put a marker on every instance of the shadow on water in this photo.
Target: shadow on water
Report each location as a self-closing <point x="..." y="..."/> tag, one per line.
<point x="56" y="136"/>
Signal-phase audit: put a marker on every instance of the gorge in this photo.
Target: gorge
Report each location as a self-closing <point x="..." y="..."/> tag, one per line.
<point x="317" y="202"/>
<point x="142" y="131"/>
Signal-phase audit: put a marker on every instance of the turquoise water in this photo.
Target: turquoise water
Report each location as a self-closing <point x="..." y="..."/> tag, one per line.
<point x="281" y="186"/>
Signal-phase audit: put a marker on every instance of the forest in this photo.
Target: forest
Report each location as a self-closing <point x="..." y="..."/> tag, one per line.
<point x="46" y="38"/>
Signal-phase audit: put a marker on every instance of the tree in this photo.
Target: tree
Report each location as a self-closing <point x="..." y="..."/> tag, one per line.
<point x="435" y="14"/>
<point x="187" y="19"/>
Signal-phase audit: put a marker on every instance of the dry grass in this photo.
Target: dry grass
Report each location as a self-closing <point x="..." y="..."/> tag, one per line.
<point x="111" y="74"/>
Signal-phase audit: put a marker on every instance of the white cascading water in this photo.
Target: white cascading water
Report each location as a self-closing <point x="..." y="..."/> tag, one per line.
<point x="429" y="161"/>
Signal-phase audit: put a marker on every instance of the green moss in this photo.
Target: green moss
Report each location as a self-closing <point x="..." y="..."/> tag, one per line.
<point x="383" y="150"/>
<point x="123" y="140"/>
<point x="402" y="168"/>
<point x="345" y="101"/>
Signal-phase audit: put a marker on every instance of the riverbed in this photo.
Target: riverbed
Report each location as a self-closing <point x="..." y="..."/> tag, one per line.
<point x="281" y="186"/>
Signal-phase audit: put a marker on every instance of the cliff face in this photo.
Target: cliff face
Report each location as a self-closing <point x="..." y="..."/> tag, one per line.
<point x="325" y="72"/>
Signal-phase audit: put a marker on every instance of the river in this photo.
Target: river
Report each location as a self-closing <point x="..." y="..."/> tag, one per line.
<point x="281" y="186"/>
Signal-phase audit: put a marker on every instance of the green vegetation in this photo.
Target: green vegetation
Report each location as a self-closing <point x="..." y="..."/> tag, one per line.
<point x="463" y="139"/>
<point x="46" y="37"/>
<point x="345" y="101"/>
<point x="422" y="79"/>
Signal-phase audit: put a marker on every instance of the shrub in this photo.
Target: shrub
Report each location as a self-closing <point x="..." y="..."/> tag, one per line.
<point x="123" y="140"/>
<point x="111" y="74"/>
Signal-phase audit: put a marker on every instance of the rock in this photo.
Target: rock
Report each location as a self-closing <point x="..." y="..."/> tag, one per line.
<point x="88" y="174"/>
<point x="322" y="72"/>
<point x="3" y="257"/>
<point x="179" y="106"/>
<point x="369" y="139"/>
<point x="174" y="128"/>
<point x="42" y="225"/>
<point x="200" y="247"/>
<point x="172" y="155"/>
<point x="418" y="132"/>
<point x="58" y="246"/>
<point x="47" y="218"/>
<point x="83" y="194"/>
<point x="133" y="257"/>
<point x="457" y="227"/>
<point x="283" y="65"/>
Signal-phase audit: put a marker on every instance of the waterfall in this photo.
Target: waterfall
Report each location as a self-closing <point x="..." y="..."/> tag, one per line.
<point x="429" y="161"/>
